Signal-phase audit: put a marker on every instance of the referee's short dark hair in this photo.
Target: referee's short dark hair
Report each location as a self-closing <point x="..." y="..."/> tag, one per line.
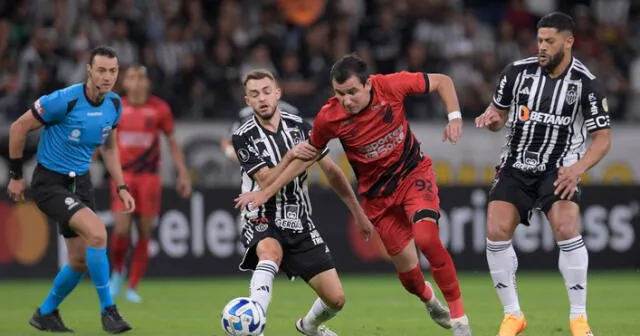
<point x="102" y="51"/>
<point x="560" y="21"/>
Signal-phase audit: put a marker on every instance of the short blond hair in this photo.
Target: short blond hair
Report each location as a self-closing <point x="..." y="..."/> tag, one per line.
<point x="258" y="74"/>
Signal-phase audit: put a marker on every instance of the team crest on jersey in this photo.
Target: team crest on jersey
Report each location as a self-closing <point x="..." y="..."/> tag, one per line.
<point x="351" y="134"/>
<point x="571" y="95"/>
<point x="296" y="135"/>
<point x="387" y="114"/>
<point x="243" y="155"/>
<point x="148" y="122"/>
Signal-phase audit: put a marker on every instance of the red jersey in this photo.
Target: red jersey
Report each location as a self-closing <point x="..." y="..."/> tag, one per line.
<point x="377" y="141"/>
<point x="139" y="134"/>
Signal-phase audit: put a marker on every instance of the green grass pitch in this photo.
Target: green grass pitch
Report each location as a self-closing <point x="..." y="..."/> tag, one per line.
<point x="376" y="305"/>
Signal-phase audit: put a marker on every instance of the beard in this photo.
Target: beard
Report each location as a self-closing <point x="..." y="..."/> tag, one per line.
<point x="553" y="61"/>
<point x="266" y="115"/>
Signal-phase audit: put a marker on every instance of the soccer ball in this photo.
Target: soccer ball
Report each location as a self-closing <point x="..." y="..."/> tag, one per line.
<point x="243" y="317"/>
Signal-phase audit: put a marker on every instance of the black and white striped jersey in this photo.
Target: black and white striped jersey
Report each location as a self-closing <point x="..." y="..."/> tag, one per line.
<point x="548" y="118"/>
<point x="256" y="148"/>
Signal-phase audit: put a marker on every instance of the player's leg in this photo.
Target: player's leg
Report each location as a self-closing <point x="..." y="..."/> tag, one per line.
<point x="419" y="198"/>
<point x="407" y="265"/>
<point x="573" y="260"/>
<point x="119" y="246"/>
<point x="88" y="226"/>
<point x="120" y="237"/>
<point x="311" y="259"/>
<point x="263" y="255"/>
<point x="398" y="241"/>
<point x="330" y="301"/>
<point x="509" y="206"/>
<point x="502" y="219"/>
<point x="47" y="317"/>
<point x="397" y="237"/>
<point x="140" y="258"/>
<point x="443" y="269"/>
<point x="269" y="253"/>
<point x="148" y="208"/>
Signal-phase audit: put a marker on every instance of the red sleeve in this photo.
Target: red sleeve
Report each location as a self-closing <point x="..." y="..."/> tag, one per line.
<point x="321" y="131"/>
<point x="166" y="118"/>
<point x="408" y="83"/>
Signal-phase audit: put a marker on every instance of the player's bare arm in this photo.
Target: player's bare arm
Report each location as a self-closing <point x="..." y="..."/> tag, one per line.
<point x="111" y="156"/>
<point x="183" y="184"/>
<point x="266" y="176"/>
<point x="17" y="139"/>
<point x="340" y="184"/>
<point x="443" y="85"/>
<point x="258" y="198"/>
<point x="493" y="118"/>
<point x="306" y="152"/>
<point x="568" y="177"/>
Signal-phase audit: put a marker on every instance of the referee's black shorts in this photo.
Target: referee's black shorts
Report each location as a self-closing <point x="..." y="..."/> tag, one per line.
<point x="52" y="193"/>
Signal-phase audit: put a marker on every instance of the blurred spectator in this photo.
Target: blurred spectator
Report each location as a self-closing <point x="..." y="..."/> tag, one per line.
<point x="127" y="52"/>
<point x="383" y="36"/>
<point x="258" y="58"/>
<point x="74" y="69"/>
<point x="196" y="51"/>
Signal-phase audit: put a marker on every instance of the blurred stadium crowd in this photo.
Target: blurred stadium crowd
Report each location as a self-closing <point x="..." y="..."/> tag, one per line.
<point x="196" y="51"/>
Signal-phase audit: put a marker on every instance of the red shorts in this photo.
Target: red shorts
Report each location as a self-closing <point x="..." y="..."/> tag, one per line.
<point x="392" y="215"/>
<point x="146" y="190"/>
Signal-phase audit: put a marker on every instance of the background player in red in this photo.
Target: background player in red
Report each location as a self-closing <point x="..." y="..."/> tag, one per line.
<point x="144" y="118"/>
<point x="396" y="181"/>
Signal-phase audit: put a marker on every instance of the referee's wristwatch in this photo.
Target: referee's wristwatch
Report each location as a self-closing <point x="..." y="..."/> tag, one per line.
<point x="123" y="187"/>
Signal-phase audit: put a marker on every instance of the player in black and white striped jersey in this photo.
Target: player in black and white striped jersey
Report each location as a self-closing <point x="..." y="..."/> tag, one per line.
<point x="551" y="104"/>
<point x="281" y="233"/>
<point x="243" y="115"/>
<point x="257" y="147"/>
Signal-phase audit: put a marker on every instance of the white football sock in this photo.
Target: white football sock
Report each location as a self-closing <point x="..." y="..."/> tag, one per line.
<point x="261" y="284"/>
<point x="318" y="314"/>
<point x="503" y="264"/>
<point x="573" y="262"/>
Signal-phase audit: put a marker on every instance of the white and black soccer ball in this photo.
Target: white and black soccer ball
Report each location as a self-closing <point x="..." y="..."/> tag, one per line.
<point x="243" y="317"/>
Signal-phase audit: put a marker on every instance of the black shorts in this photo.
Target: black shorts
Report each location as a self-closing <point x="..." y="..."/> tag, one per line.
<point x="51" y="192"/>
<point x="527" y="192"/>
<point x="304" y="254"/>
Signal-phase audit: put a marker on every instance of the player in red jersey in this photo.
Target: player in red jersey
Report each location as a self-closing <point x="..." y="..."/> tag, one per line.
<point x="144" y="118"/>
<point x="396" y="181"/>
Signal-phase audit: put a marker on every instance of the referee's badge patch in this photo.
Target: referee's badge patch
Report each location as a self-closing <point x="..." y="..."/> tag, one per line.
<point x="243" y="155"/>
<point x="572" y="96"/>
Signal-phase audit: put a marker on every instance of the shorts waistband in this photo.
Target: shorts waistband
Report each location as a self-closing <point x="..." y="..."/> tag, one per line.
<point x="55" y="173"/>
